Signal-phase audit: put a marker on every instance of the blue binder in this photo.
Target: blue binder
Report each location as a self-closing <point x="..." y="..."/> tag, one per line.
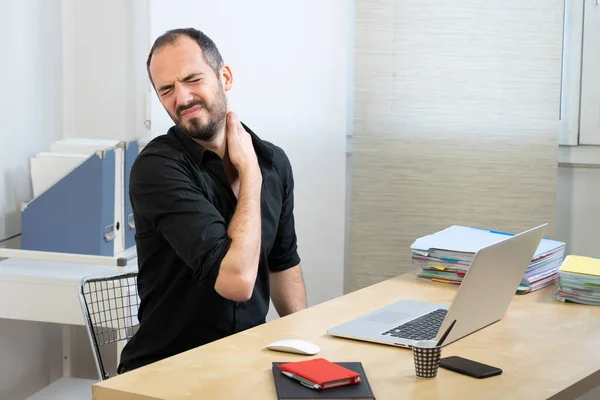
<point x="132" y="150"/>
<point x="86" y="212"/>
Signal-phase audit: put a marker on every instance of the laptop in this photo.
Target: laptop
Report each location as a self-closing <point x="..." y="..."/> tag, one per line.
<point x="482" y="299"/>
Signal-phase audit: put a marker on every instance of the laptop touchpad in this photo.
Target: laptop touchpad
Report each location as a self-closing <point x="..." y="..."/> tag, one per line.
<point x="388" y="317"/>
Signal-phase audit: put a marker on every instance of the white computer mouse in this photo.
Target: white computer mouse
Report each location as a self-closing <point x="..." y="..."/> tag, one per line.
<point x="295" y="346"/>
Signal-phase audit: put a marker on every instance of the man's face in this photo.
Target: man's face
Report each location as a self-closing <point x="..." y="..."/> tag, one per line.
<point x="189" y="89"/>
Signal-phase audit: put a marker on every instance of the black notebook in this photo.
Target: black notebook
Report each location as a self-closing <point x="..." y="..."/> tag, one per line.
<point x="289" y="389"/>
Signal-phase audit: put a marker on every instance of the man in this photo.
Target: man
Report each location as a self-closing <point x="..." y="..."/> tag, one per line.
<point x="213" y="209"/>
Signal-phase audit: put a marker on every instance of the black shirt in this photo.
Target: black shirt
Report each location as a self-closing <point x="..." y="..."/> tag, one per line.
<point x="182" y="204"/>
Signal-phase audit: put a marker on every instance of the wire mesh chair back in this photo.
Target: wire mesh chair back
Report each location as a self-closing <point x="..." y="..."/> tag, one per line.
<point x="110" y="305"/>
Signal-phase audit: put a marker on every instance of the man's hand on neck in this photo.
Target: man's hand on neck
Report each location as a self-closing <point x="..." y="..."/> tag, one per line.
<point x="219" y="145"/>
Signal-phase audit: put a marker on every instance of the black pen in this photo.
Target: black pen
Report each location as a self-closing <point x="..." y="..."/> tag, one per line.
<point x="445" y="335"/>
<point x="304" y="382"/>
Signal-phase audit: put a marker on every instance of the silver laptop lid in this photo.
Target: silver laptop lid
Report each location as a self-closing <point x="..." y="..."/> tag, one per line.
<point x="487" y="290"/>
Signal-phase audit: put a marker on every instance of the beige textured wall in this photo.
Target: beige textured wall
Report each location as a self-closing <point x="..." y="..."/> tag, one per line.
<point x="456" y="110"/>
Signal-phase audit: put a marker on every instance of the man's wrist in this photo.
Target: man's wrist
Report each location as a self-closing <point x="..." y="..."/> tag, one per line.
<point x="251" y="176"/>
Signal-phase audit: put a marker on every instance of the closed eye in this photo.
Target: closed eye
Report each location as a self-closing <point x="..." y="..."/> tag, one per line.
<point x="194" y="77"/>
<point x="191" y="78"/>
<point x="164" y="90"/>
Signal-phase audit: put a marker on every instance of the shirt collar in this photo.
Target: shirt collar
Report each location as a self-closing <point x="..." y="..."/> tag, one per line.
<point x="264" y="152"/>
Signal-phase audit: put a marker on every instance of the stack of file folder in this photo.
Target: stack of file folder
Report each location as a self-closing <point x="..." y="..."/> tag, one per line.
<point x="579" y="280"/>
<point x="445" y="256"/>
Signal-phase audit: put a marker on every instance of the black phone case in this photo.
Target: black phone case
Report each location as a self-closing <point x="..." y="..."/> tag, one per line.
<point x="469" y="367"/>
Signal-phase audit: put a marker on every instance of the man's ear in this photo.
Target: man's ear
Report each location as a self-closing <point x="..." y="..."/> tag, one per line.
<point x="226" y="77"/>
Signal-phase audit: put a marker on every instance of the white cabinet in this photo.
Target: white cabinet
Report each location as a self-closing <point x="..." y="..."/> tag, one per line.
<point x="589" y="125"/>
<point x="580" y="100"/>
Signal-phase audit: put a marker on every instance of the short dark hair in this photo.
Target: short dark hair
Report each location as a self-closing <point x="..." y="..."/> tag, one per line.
<point x="211" y="53"/>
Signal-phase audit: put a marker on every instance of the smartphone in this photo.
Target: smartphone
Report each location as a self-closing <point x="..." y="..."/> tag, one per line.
<point x="469" y="367"/>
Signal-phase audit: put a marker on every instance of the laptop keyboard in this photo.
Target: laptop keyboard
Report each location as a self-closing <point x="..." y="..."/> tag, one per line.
<point x="422" y="328"/>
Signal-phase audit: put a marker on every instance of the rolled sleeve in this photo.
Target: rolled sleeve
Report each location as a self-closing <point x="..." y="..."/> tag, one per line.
<point x="284" y="253"/>
<point x="163" y="192"/>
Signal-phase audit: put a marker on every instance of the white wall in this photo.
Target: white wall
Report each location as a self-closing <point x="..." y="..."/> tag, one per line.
<point x="290" y="62"/>
<point x="30" y="41"/>
<point x="30" y="119"/>
<point x="578" y="210"/>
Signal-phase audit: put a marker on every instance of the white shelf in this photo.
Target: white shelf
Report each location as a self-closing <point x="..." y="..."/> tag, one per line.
<point x="57" y="273"/>
<point x="27" y="285"/>
<point x="66" y="389"/>
<point x="579" y="155"/>
<point x="128" y="254"/>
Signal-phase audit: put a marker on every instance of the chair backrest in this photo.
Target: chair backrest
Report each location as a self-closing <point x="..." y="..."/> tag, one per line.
<point x="110" y="306"/>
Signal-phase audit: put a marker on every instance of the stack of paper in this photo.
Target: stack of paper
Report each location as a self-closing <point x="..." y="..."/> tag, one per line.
<point x="579" y="280"/>
<point x="47" y="168"/>
<point x="445" y="256"/>
<point x="82" y="145"/>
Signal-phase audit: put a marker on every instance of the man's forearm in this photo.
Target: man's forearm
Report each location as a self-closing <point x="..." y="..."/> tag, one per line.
<point x="240" y="264"/>
<point x="287" y="291"/>
<point x="245" y="226"/>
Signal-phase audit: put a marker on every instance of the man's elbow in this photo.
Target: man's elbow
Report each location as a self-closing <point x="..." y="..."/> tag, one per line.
<point x="235" y="287"/>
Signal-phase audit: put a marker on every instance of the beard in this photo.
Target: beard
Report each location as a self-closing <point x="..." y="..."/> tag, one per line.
<point x="216" y="117"/>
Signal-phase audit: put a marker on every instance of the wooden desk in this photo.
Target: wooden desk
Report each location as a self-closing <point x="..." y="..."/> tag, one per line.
<point x="546" y="348"/>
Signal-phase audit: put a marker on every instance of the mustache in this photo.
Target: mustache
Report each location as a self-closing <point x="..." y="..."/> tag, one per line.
<point x="191" y="104"/>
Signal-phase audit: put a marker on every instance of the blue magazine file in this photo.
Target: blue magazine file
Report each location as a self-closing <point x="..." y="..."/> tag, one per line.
<point x="76" y="215"/>
<point x="131" y="152"/>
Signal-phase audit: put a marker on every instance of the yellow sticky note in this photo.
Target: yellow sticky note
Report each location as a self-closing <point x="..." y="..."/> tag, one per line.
<point x="581" y="265"/>
<point x="439" y="267"/>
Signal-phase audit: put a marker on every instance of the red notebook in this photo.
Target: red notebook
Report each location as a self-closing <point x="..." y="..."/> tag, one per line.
<point x="320" y="373"/>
